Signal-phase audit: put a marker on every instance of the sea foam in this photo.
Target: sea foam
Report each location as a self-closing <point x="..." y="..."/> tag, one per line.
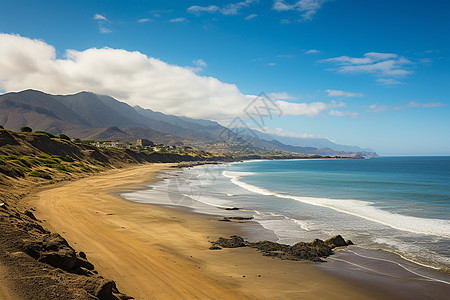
<point x="357" y="208"/>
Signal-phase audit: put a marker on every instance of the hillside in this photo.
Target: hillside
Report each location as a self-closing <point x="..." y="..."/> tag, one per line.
<point x="89" y="116"/>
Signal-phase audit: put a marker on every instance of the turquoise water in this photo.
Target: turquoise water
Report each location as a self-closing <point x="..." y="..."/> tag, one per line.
<point x="411" y="186"/>
<point x="399" y="205"/>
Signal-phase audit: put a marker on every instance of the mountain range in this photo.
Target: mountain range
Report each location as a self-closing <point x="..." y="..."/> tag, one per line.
<point x="90" y="116"/>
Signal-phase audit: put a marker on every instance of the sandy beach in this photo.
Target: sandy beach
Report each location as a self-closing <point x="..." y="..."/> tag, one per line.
<point x="157" y="252"/>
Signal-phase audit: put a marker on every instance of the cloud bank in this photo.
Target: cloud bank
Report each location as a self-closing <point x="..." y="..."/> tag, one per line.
<point x="339" y="93"/>
<point x="226" y="10"/>
<point x="307" y="8"/>
<point x="386" y="66"/>
<point x="129" y="76"/>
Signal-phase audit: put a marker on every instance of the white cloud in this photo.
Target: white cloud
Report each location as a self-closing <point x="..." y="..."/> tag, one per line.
<point x="272" y="64"/>
<point x="156" y="13"/>
<point x="102" y="21"/>
<point x="100" y="17"/>
<point x="426" y="105"/>
<point x="128" y="76"/>
<point x="338" y="93"/>
<point x="307" y="8"/>
<point x="377" y="108"/>
<point x="229" y="9"/>
<point x="132" y="77"/>
<point x="144" y="20"/>
<point x="433" y="104"/>
<point x="338" y="113"/>
<point x="252" y="16"/>
<point x="199" y="65"/>
<point x="412" y="104"/>
<point x="388" y="81"/>
<point x="281" y="96"/>
<point x="306" y="109"/>
<point x="103" y="29"/>
<point x="312" y="51"/>
<point x="200" y="9"/>
<point x="200" y="62"/>
<point x="178" y="20"/>
<point x="383" y="65"/>
<point x="284" y="132"/>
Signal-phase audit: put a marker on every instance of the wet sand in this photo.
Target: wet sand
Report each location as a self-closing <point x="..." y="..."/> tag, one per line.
<point x="157" y="252"/>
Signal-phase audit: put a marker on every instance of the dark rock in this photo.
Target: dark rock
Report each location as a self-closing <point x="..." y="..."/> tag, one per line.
<point x="301" y="251"/>
<point x="82" y="254"/>
<point x="105" y="290"/>
<point x="229" y="219"/>
<point x="232" y="208"/>
<point x="81" y="262"/>
<point x="240" y="218"/>
<point x="30" y="215"/>
<point x="349" y="242"/>
<point x="51" y="249"/>
<point x="215" y="248"/>
<point x="82" y="271"/>
<point x="64" y="258"/>
<point x="313" y="251"/>
<point x="233" y="241"/>
<point x="336" y="241"/>
<point x="4" y="206"/>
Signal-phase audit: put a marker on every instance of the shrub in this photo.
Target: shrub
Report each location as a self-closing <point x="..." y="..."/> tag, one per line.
<point x="26" y="129"/>
<point x="68" y="158"/>
<point x="62" y="168"/>
<point x="11" y="171"/>
<point x="45" y="133"/>
<point x="40" y="174"/>
<point x="62" y="136"/>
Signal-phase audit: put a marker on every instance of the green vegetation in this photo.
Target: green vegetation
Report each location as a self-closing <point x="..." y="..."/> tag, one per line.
<point x="41" y="174"/>
<point x="62" y="136"/>
<point x="68" y="158"/>
<point x="26" y="129"/>
<point x="45" y="133"/>
<point x="42" y="166"/>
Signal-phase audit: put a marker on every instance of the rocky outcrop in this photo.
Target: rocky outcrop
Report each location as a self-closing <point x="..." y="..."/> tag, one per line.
<point x="313" y="251"/>
<point x="337" y="241"/>
<point x="236" y="219"/>
<point x="233" y="241"/>
<point x="45" y="265"/>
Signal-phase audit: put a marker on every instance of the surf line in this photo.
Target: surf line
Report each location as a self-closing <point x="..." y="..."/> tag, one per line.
<point x="383" y="217"/>
<point x="392" y="262"/>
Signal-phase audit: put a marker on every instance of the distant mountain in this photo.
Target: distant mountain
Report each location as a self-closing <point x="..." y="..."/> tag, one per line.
<point x="320" y="143"/>
<point x="94" y="111"/>
<point x="89" y="116"/>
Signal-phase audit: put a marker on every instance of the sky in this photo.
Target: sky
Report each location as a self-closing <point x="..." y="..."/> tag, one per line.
<point x="372" y="73"/>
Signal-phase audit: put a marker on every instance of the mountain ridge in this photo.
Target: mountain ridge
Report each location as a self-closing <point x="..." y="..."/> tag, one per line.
<point x="90" y="116"/>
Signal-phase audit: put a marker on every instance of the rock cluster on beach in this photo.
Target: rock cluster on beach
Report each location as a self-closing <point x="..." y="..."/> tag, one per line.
<point x="313" y="251"/>
<point x="47" y="262"/>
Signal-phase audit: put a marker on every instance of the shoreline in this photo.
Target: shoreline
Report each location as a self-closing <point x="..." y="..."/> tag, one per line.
<point x="160" y="252"/>
<point x="425" y="280"/>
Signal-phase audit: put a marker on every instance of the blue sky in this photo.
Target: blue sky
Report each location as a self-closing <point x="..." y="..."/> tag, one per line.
<point x="368" y="73"/>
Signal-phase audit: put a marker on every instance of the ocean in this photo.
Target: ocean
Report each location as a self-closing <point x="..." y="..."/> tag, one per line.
<point x="396" y="205"/>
